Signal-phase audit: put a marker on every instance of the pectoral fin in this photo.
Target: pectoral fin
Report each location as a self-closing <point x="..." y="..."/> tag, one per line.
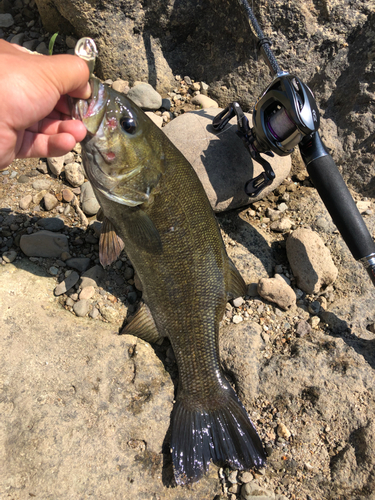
<point x="236" y="287"/>
<point x="143" y="326"/>
<point x="143" y="232"/>
<point x="110" y="244"/>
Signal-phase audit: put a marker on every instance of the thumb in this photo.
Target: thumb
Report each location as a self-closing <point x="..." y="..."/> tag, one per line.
<point x="70" y="75"/>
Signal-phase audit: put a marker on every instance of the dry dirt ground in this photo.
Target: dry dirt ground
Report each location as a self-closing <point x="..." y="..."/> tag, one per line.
<point x="85" y="411"/>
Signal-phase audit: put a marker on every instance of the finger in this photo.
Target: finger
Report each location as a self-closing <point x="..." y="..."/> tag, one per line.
<point x="52" y="126"/>
<point x="45" y="146"/>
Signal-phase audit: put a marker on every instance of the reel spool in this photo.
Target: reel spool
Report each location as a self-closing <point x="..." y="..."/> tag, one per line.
<point x="284" y="115"/>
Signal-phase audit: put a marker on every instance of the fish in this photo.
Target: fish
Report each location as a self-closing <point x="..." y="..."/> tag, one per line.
<point x="154" y="205"/>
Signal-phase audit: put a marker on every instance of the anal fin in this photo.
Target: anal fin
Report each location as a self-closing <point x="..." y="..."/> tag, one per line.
<point x="110" y="244"/>
<point x="143" y="326"/>
<point x="236" y="286"/>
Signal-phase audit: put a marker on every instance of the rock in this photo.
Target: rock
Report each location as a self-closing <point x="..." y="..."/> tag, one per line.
<point x="310" y="260"/>
<point x="81" y="308"/>
<point x="246" y="477"/>
<point x="166" y="104"/>
<point x="38" y="197"/>
<point x="222" y="163"/>
<point x="51" y="224"/>
<point x="74" y="175"/>
<point x="158" y="120"/>
<point x="237" y="319"/>
<point x="109" y="313"/>
<point x="253" y="491"/>
<point x="67" y="195"/>
<point x="95" y="273"/>
<point x="18" y="39"/>
<point x="145" y="96"/>
<point x="204" y="101"/>
<point x="121" y="86"/>
<point x="30" y="45"/>
<point x="275" y="290"/>
<point x="87" y="292"/>
<point x="67" y="284"/>
<point x="238" y="302"/>
<point x="283" y="431"/>
<point x="41" y="184"/>
<point x="50" y="201"/>
<point x="90" y="204"/>
<point x="281" y="226"/>
<point x="42" y="49"/>
<point x="302" y="328"/>
<point x="56" y="165"/>
<point x="79" y="263"/>
<point x="9" y="256"/>
<point x="23" y="179"/>
<point x="6" y="20"/>
<point x="44" y="244"/>
<point x="25" y="202"/>
<point x="70" y="41"/>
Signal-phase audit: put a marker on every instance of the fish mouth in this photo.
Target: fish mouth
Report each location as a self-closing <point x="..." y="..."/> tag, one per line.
<point x="91" y="111"/>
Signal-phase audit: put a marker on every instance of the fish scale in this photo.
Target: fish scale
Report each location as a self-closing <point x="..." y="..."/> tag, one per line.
<point x="155" y="206"/>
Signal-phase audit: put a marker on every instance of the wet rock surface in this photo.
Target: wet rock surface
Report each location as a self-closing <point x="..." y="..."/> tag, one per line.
<point x="85" y="411"/>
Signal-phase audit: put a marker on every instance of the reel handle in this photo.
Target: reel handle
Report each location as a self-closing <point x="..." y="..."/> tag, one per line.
<point x="336" y="197"/>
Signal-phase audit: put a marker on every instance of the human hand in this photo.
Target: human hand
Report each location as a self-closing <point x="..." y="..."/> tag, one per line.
<point x="34" y="112"/>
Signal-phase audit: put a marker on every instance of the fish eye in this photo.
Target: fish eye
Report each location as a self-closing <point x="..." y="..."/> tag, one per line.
<point x="128" y="125"/>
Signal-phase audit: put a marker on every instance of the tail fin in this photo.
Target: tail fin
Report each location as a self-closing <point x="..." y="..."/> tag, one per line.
<point x="225" y="436"/>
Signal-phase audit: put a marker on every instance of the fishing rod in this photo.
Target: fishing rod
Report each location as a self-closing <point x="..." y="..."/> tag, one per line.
<point x="286" y="116"/>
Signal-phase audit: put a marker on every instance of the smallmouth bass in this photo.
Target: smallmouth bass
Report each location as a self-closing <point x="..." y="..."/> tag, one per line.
<point x="155" y="206"/>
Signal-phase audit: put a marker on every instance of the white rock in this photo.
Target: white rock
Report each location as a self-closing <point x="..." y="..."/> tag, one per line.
<point x="276" y="290"/>
<point x="158" y="120"/>
<point x="204" y="101"/>
<point x="310" y="260"/>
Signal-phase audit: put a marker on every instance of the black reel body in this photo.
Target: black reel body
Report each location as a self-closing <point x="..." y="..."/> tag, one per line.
<point x="284" y="115"/>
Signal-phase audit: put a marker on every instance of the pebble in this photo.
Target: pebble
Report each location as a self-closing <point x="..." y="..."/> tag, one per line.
<point x="121" y="86"/>
<point x="314" y="307"/>
<point x="38" y="197"/>
<point x="67" y="284"/>
<point x="246" y="477"/>
<point x="79" y="263"/>
<point x="25" y="202"/>
<point x="252" y="491"/>
<point x="42" y="49"/>
<point x="6" y="20"/>
<point x="87" y="292"/>
<point x="237" y="319"/>
<point x="238" y="302"/>
<point x="69" y="302"/>
<point x="23" y="179"/>
<point x="53" y="224"/>
<point x="53" y="270"/>
<point x="30" y="45"/>
<point x="314" y="321"/>
<point x="50" y="201"/>
<point x="204" y="101"/>
<point x="41" y="184"/>
<point x="283" y="278"/>
<point x="89" y="203"/>
<point x="56" y="165"/>
<point x="158" y="120"/>
<point x="282" y="225"/>
<point x="44" y="244"/>
<point x="252" y="289"/>
<point x="145" y="96"/>
<point x="109" y="313"/>
<point x="310" y="260"/>
<point x="74" y="175"/>
<point x="283" y="431"/>
<point x="18" y="39"/>
<point x="94" y="313"/>
<point x="232" y="477"/>
<point x="166" y="104"/>
<point x="81" y="308"/>
<point x="9" y="256"/>
<point x="302" y="328"/>
<point x="70" y="41"/>
<point x="95" y="273"/>
<point x="276" y="290"/>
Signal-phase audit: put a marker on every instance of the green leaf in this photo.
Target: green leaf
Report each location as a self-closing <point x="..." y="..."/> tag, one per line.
<point x="52" y="43"/>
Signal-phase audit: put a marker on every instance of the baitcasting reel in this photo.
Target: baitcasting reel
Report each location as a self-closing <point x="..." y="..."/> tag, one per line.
<point x="283" y="116"/>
